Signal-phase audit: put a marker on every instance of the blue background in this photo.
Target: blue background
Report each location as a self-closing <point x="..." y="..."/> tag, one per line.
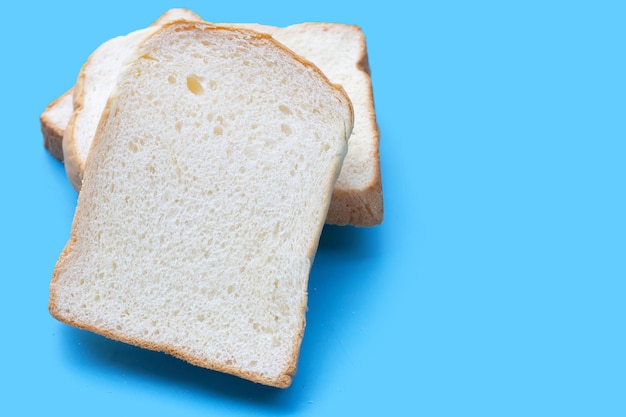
<point x="496" y="285"/>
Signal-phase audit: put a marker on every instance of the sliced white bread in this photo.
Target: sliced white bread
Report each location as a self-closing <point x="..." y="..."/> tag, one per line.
<point x="203" y="199"/>
<point x="340" y="51"/>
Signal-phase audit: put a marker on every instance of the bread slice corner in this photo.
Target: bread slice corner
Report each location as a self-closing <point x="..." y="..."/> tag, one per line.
<point x="53" y="120"/>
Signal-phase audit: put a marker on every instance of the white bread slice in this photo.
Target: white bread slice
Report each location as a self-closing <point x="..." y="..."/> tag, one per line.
<point x="340" y="51"/>
<point x="204" y="196"/>
<point x="95" y="82"/>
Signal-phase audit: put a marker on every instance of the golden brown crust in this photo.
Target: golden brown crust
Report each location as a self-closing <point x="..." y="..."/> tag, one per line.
<point x="363" y="208"/>
<point x="51" y="131"/>
<point x="358" y="208"/>
<point x="52" y="139"/>
<point x="364" y="63"/>
<point x="183" y="14"/>
<point x="74" y="164"/>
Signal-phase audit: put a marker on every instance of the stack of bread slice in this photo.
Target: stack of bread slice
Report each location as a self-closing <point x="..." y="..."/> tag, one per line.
<point x="208" y="158"/>
<point x="339" y="50"/>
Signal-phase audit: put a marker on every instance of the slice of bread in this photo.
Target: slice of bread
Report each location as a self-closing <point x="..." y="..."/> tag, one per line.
<point x="203" y="200"/>
<point x="339" y="50"/>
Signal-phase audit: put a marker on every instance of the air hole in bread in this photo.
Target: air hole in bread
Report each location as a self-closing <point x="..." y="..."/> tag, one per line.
<point x="285" y="129"/>
<point x="171" y="79"/>
<point x="285" y="109"/>
<point x="194" y="84"/>
<point x="218" y="130"/>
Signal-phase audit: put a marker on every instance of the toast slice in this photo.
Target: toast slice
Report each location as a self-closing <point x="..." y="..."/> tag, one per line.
<point x="340" y="51"/>
<point x="203" y="199"/>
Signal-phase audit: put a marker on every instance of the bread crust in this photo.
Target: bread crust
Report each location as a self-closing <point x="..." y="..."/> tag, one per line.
<point x="363" y="207"/>
<point x="176" y="14"/>
<point x="74" y="164"/>
<point x="53" y="132"/>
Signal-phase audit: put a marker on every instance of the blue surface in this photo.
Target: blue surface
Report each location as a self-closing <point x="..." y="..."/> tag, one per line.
<point x="496" y="285"/>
